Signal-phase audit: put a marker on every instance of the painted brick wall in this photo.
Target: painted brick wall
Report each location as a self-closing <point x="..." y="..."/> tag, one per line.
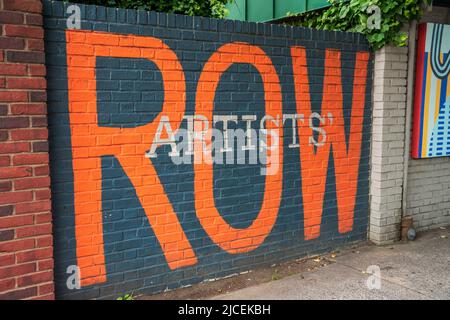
<point x="26" y="248"/>
<point x="131" y="223"/>
<point x="388" y="142"/>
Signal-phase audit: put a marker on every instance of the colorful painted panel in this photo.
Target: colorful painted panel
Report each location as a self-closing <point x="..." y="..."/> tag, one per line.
<point x="431" y="131"/>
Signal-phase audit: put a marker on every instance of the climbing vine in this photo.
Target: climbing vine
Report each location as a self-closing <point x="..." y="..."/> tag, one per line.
<point x="381" y="21"/>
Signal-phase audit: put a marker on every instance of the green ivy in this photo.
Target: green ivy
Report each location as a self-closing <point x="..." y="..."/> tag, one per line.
<point x="359" y="16"/>
<point x="127" y="296"/>
<point x="204" y="8"/>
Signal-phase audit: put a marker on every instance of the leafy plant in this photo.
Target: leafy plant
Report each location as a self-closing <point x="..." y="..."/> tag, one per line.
<point x="205" y="8"/>
<point x="380" y="21"/>
<point x="127" y="296"/>
<point x="276" y="275"/>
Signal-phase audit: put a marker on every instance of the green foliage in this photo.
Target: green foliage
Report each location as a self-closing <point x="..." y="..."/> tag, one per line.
<point x="204" y="8"/>
<point x="359" y="16"/>
<point x="276" y="276"/>
<point x="126" y="297"/>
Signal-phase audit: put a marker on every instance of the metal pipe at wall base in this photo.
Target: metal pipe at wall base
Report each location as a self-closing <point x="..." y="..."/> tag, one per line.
<point x="409" y="107"/>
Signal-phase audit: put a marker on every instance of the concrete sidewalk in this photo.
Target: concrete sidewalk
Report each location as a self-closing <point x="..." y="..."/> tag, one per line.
<point x="413" y="270"/>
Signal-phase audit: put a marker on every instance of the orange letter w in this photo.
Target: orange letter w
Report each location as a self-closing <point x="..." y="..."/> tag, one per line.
<point x="346" y="154"/>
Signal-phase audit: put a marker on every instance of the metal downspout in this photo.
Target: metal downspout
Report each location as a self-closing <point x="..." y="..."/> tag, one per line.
<point x="409" y="107"/>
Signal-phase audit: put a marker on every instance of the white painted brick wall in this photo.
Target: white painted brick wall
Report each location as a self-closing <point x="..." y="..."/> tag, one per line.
<point x="388" y="135"/>
<point x="428" y="199"/>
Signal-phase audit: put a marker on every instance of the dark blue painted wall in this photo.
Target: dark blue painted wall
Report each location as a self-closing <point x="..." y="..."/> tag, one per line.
<point x="130" y="93"/>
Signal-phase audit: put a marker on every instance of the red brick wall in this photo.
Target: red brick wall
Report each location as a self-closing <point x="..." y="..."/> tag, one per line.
<point x="26" y="244"/>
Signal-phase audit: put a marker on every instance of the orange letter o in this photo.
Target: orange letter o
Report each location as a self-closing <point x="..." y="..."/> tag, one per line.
<point x="234" y="240"/>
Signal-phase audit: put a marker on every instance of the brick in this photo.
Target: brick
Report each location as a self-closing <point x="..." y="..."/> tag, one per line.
<point x="33" y="231"/>
<point x="33" y="19"/>
<point x="29" y="134"/>
<point x="18" y="245"/>
<point x="6" y="210"/>
<point x="2" y="82"/>
<point x="35" y="278"/>
<point x="23" y="31"/>
<point x="40" y="146"/>
<point x="29" y="109"/>
<point x="42" y="194"/>
<point x="32" y="6"/>
<point x="46" y="265"/>
<point x="4" y="161"/>
<point x="5" y="186"/>
<point x="36" y="70"/>
<point x="14" y="122"/>
<point x="16" y="221"/>
<point x="44" y="241"/>
<point x="35" y="44"/>
<point x="15" y="172"/>
<point x="13" y="70"/>
<point x="45" y="289"/>
<point x="34" y="255"/>
<point x="12" y="43"/>
<point x="3" y="109"/>
<point x="4" y="135"/>
<point x="19" y="294"/>
<point x="35" y="158"/>
<point x="11" y="17"/>
<point x="6" y="235"/>
<point x="41" y="171"/>
<point x="14" y="147"/>
<point x="14" y="271"/>
<point x="38" y="96"/>
<point x="42" y="218"/>
<point x="7" y="259"/>
<point x="31" y="183"/>
<point x="15" y="197"/>
<point x="25" y="56"/>
<point x="26" y="83"/>
<point x="39" y="122"/>
<point x="13" y="96"/>
<point x="33" y="207"/>
<point x="7" y="285"/>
